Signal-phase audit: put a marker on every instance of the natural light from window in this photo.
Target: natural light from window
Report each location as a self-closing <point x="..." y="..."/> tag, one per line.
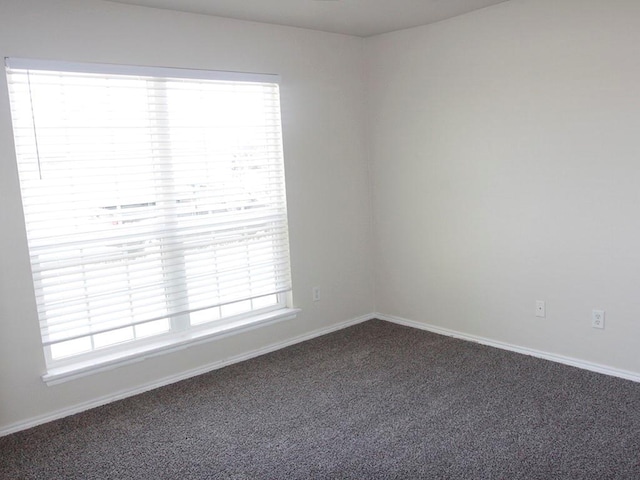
<point x="154" y="202"/>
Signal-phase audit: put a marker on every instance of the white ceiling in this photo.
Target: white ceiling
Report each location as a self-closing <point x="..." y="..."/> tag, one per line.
<point x="353" y="17"/>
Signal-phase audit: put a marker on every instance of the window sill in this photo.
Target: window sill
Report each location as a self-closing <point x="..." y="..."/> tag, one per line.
<point x="58" y="375"/>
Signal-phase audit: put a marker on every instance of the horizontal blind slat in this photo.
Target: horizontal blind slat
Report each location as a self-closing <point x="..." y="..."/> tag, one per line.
<point x="84" y="331"/>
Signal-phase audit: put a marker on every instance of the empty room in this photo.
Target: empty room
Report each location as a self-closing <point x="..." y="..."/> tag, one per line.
<point x="320" y="239"/>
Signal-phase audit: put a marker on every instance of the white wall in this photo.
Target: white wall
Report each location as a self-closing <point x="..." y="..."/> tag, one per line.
<point x="506" y="168"/>
<point x="323" y="112"/>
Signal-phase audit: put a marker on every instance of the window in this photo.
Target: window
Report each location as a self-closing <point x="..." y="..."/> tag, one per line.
<point x="154" y="202"/>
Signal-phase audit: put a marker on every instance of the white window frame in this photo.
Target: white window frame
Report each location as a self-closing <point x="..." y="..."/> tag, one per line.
<point x="184" y="334"/>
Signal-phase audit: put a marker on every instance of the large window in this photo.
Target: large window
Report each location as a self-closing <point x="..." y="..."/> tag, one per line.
<point x="154" y="202"/>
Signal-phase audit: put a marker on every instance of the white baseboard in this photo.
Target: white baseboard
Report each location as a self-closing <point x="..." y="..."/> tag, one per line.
<point x="574" y="362"/>
<point x="81" y="407"/>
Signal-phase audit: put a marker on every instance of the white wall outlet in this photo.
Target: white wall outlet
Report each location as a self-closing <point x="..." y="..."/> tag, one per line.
<point x="541" y="310"/>
<point x="597" y="318"/>
<point x="315" y="294"/>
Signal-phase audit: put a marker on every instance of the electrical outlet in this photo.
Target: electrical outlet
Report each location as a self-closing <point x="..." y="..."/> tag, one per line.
<point x="597" y="318"/>
<point x="315" y="293"/>
<point x="540" y="309"/>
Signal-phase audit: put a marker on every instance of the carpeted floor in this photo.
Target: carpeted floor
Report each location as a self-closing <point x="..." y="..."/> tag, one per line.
<point x="375" y="401"/>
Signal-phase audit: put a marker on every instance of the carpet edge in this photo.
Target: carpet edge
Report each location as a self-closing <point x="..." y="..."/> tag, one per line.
<point x="104" y="400"/>
<point x="570" y="361"/>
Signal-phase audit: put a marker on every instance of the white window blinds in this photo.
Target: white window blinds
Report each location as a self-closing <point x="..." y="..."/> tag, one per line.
<point x="154" y="199"/>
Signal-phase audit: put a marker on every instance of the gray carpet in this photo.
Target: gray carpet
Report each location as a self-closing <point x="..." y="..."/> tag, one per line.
<point x="375" y="401"/>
